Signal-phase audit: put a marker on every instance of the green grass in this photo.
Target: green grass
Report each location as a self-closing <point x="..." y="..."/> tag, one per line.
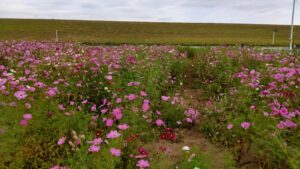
<point x="142" y="32"/>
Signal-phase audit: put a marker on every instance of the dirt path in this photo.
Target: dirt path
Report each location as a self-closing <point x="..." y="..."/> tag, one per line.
<point x="168" y="154"/>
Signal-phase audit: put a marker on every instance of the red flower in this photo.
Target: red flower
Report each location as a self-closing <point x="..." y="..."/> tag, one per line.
<point x="143" y="151"/>
<point x="163" y="136"/>
<point x="98" y="133"/>
<point x="171" y="136"/>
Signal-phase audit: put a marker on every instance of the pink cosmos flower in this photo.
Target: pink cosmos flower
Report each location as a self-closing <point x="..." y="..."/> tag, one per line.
<point x="253" y="107"/>
<point x="72" y="103"/>
<point x="84" y="101"/>
<point x="108" y="77"/>
<point x="55" y="167"/>
<point x="165" y="98"/>
<point x="131" y="60"/>
<point x="61" y="140"/>
<point x="143" y="93"/>
<point x="118" y="100"/>
<point x="31" y="89"/>
<point x="27" y="116"/>
<point x="159" y="122"/>
<point x="94" y="149"/>
<point x="280" y="125"/>
<point x="142" y="164"/>
<point x="123" y="126"/>
<point x="104" y="101"/>
<point x="158" y="113"/>
<point x="192" y="115"/>
<point x="96" y="141"/>
<point x="245" y="125"/>
<point x="39" y="85"/>
<point x="229" y="126"/>
<point x="117" y="112"/>
<point x="189" y="120"/>
<point x="2" y="81"/>
<point x="283" y="111"/>
<point x="2" y="67"/>
<point x="23" y="122"/>
<point x="52" y="91"/>
<point x="103" y="111"/>
<point x="115" y="152"/>
<point x="109" y="122"/>
<point x="61" y="107"/>
<point x="146" y="105"/>
<point x="56" y="82"/>
<point x="209" y="103"/>
<point x="130" y="84"/>
<point x="131" y="97"/>
<point x="94" y="108"/>
<point x="20" y="95"/>
<point x="78" y="141"/>
<point x="136" y="83"/>
<point x="290" y="124"/>
<point x="113" y="134"/>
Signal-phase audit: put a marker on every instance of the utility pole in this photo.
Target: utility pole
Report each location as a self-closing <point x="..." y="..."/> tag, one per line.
<point x="56" y="36"/>
<point x="292" y="26"/>
<point x="274" y="33"/>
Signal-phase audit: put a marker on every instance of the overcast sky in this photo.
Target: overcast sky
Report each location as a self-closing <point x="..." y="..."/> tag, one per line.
<point x="215" y="11"/>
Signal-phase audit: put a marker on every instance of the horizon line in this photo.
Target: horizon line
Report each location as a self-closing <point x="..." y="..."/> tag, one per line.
<point x="137" y="21"/>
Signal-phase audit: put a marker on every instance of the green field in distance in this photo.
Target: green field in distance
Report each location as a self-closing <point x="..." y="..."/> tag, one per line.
<point x="112" y="32"/>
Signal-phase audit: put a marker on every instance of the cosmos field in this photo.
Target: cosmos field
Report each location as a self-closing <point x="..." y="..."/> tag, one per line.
<point x="67" y="106"/>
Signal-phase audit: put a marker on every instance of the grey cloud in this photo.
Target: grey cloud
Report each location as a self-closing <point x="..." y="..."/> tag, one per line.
<point x="224" y="11"/>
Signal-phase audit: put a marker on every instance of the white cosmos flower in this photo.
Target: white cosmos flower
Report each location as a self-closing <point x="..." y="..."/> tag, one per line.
<point x="186" y="148"/>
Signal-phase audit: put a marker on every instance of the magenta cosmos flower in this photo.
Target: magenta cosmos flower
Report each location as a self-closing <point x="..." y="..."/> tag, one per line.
<point x="123" y="126"/>
<point x="118" y="100"/>
<point x="94" y="148"/>
<point x="159" y="122"/>
<point x="229" y="126"/>
<point x="115" y="152"/>
<point x="117" y="112"/>
<point x="23" y="122"/>
<point x="103" y="111"/>
<point x="27" y="116"/>
<point x="20" y="95"/>
<point x="165" y="98"/>
<point x="143" y="164"/>
<point x="108" y="77"/>
<point x="131" y="97"/>
<point x="245" y="125"/>
<point x="61" y="141"/>
<point x="143" y="93"/>
<point x="96" y="141"/>
<point x="109" y="122"/>
<point x="52" y="91"/>
<point x="94" y="108"/>
<point x="146" y="105"/>
<point x="113" y="134"/>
